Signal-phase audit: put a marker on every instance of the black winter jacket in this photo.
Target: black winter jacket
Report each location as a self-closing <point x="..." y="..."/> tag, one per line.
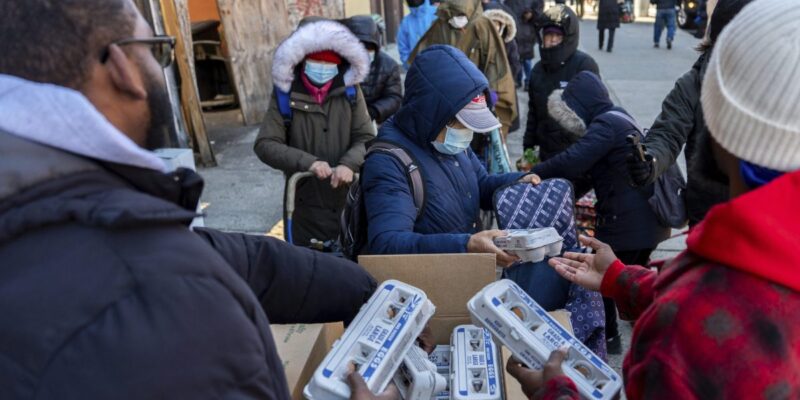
<point x="625" y="219"/>
<point x="383" y="88"/>
<point x="608" y="15"/>
<point x="542" y="130"/>
<point x="105" y="293"/>
<point x="681" y="123"/>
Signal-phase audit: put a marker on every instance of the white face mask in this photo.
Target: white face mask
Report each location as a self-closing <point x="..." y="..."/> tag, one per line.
<point x="371" y="56"/>
<point x="459" y="22"/>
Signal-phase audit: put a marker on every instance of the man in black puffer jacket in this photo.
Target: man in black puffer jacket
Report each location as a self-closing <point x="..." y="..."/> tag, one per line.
<point x="680" y="123"/>
<point x="105" y="291"/>
<point x="383" y="89"/>
<point x="559" y="63"/>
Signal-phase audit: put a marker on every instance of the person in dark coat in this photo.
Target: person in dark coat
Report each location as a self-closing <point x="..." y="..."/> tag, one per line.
<point x="445" y="103"/>
<point x="105" y="290"/>
<point x="681" y="123"/>
<point x="607" y="19"/>
<point x="383" y="89"/>
<point x="666" y="15"/>
<point x="527" y="38"/>
<point x="625" y="219"/>
<point x="561" y="61"/>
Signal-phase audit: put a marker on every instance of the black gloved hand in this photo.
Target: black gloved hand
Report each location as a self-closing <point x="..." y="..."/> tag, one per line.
<point x="642" y="172"/>
<point x="373" y="113"/>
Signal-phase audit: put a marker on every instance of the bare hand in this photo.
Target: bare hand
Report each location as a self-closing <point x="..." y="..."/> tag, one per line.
<point x="360" y="391"/>
<point x="533" y="179"/>
<point x="533" y="380"/>
<point x="586" y="270"/>
<point x="341" y="176"/>
<point x="481" y="242"/>
<point x="320" y="169"/>
<point x="426" y="340"/>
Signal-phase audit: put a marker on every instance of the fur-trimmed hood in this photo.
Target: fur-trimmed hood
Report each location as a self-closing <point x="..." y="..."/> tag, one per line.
<point x="507" y="21"/>
<point x="318" y="36"/>
<point x="584" y="99"/>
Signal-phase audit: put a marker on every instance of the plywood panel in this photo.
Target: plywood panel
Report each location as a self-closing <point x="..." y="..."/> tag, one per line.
<point x="298" y="9"/>
<point x="252" y="30"/>
<point x="176" y="23"/>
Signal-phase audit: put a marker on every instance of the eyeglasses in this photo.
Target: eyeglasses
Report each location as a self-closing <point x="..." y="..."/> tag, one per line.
<point x="163" y="48"/>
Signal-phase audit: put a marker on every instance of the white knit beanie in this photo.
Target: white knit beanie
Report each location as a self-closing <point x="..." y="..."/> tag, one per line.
<point x="751" y="91"/>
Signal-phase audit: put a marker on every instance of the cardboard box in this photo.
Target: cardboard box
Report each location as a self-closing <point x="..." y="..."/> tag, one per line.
<point x="449" y="280"/>
<point x="302" y="347"/>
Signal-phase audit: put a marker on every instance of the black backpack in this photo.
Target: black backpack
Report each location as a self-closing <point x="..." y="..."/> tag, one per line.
<point x="353" y="221"/>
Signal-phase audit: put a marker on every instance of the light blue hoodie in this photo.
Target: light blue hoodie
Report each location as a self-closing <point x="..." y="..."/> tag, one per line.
<point x="412" y="28"/>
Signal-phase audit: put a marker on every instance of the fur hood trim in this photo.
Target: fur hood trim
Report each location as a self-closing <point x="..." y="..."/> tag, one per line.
<point x="314" y="37"/>
<point x="561" y="113"/>
<point x="497" y="15"/>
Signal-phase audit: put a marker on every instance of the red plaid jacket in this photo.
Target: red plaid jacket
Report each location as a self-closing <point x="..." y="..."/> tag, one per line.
<point x="722" y="320"/>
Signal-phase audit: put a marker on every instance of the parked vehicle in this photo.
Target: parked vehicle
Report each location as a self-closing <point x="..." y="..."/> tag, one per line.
<point x="687" y="14"/>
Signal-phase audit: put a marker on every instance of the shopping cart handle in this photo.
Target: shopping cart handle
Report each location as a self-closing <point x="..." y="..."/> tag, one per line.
<point x="291" y="189"/>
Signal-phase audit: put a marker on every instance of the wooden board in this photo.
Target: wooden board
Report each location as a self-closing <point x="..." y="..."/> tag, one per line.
<point x="252" y="31"/>
<point x="176" y="23"/>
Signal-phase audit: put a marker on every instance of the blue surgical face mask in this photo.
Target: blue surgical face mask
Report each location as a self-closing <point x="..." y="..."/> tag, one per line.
<point x="320" y="73"/>
<point x="371" y="56"/>
<point x="756" y="176"/>
<point x="455" y="141"/>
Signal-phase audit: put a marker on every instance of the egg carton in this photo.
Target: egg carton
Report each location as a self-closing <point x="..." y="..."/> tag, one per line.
<point x="475" y="365"/>
<point x="441" y="358"/>
<point x="418" y="377"/>
<point x="531" y="245"/>
<point x="532" y="334"/>
<point x="375" y="342"/>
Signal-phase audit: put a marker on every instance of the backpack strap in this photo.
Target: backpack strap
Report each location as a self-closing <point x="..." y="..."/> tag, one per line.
<point x="630" y="120"/>
<point x="351" y="93"/>
<point x="412" y="170"/>
<point x="284" y="107"/>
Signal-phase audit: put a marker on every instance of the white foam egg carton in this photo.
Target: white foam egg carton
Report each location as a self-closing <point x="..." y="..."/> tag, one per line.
<point x="375" y="342"/>
<point x="441" y="358"/>
<point x="474" y="365"/>
<point x="531" y="245"/>
<point x="531" y="334"/>
<point x="418" y="377"/>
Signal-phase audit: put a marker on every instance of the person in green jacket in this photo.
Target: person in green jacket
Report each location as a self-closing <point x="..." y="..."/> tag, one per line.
<point x="461" y="24"/>
<point x="317" y="70"/>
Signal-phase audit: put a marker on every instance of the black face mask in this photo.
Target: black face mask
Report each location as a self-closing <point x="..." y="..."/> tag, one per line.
<point x="160" y="113"/>
<point x="414" y="3"/>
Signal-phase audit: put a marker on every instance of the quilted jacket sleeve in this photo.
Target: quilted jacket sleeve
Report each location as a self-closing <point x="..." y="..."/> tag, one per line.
<point x="293" y="283"/>
<point x="391" y="213"/>
<point x="576" y="160"/>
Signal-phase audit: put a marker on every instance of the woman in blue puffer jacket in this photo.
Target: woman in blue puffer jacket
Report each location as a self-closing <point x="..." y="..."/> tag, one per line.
<point x="445" y="102"/>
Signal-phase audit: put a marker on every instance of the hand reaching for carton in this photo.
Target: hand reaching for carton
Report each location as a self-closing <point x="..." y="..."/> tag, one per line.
<point x="360" y="391"/>
<point x="584" y="269"/>
<point x="482" y="242"/>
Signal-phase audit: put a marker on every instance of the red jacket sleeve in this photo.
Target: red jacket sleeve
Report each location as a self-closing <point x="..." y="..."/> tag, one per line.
<point x="558" y="388"/>
<point x="631" y="287"/>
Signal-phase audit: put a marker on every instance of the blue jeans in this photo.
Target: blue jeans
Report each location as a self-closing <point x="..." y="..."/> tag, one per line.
<point x="527" y="65"/>
<point x="664" y="17"/>
<point x="542" y="283"/>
